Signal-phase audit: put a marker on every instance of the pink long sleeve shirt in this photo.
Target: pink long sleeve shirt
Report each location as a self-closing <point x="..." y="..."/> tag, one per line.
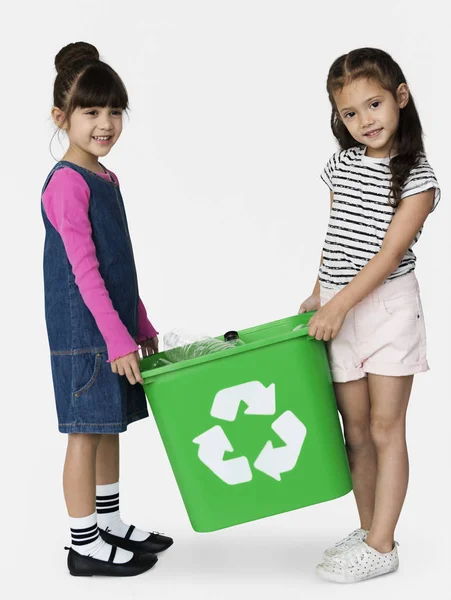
<point x="66" y="203"/>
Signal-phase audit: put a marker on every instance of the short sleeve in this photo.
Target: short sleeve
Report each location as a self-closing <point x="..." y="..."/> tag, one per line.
<point x="328" y="172"/>
<point x="420" y="179"/>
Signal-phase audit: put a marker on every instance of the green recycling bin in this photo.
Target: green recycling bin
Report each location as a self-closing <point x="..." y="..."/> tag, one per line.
<point x="251" y="431"/>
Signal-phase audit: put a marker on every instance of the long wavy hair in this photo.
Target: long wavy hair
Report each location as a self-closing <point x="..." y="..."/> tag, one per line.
<point x="379" y="66"/>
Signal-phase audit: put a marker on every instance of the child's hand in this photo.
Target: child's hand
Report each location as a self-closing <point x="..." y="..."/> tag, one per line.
<point x="327" y="322"/>
<point x="128" y="365"/>
<point x="313" y="302"/>
<point x="149" y="346"/>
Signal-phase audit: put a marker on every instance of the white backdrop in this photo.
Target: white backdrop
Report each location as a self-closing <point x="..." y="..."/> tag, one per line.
<point x="219" y="166"/>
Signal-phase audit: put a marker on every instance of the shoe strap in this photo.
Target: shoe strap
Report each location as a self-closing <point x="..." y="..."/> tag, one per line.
<point x="112" y="554"/>
<point x="129" y="532"/>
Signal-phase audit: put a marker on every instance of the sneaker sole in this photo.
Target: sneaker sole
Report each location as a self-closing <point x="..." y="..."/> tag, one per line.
<point x="336" y="578"/>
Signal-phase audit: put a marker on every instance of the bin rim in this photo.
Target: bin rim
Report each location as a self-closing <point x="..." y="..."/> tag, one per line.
<point x="149" y="375"/>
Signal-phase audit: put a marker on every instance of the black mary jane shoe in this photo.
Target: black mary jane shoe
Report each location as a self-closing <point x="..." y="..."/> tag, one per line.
<point x="87" y="566"/>
<point x="156" y="542"/>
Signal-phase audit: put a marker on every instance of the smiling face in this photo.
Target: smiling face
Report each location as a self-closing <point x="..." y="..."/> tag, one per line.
<point x="92" y="133"/>
<point x="371" y="114"/>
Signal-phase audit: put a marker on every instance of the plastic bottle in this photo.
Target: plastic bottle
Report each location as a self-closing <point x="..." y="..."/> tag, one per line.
<point x="180" y="345"/>
<point x="232" y="337"/>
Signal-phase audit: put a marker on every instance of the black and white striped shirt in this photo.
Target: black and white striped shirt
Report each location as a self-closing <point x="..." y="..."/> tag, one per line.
<point x="361" y="213"/>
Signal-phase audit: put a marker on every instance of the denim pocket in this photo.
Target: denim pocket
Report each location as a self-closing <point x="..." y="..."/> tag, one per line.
<point x="85" y="370"/>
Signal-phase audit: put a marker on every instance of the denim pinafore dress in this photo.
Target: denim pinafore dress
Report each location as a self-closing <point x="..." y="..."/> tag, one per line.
<point x="90" y="398"/>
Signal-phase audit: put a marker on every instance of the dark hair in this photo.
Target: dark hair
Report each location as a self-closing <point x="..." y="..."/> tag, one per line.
<point x="83" y="80"/>
<point x="375" y="64"/>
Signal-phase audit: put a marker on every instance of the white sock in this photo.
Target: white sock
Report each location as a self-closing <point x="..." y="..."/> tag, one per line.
<point x="87" y="541"/>
<point x="108" y="514"/>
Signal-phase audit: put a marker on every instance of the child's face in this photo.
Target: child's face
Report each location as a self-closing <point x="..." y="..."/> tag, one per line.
<point x="371" y="114"/>
<point x="90" y="126"/>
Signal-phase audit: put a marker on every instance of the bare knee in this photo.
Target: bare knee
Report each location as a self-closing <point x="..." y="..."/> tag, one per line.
<point x="385" y="432"/>
<point x="84" y="441"/>
<point x="357" y="434"/>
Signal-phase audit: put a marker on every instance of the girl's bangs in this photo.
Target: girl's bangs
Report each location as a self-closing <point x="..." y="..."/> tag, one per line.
<point x="100" y="87"/>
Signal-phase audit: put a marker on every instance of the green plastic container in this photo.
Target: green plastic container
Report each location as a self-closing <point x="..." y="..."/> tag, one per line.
<point x="252" y="431"/>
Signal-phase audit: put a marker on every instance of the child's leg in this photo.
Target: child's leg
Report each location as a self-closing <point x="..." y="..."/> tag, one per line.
<point x="107" y="462"/>
<point x="79" y="481"/>
<point x="108" y="514"/>
<point x="389" y="400"/>
<point x="79" y="477"/>
<point x="354" y="406"/>
<point x="112" y="527"/>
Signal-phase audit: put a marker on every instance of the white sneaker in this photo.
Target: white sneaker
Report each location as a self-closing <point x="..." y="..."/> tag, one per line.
<point x="358" y="563"/>
<point x="358" y="535"/>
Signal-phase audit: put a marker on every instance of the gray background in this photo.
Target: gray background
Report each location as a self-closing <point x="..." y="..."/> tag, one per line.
<point x="219" y="165"/>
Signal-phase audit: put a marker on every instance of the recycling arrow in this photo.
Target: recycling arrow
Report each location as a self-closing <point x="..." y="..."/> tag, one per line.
<point x="274" y="461"/>
<point x="259" y="399"/>
<point x="212" y="446"/>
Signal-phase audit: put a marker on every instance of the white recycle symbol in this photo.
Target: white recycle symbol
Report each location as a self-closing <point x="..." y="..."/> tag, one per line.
<point x="260" y="400"/>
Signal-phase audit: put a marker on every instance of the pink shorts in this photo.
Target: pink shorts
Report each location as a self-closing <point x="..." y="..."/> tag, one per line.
<point x="383" y="334"/>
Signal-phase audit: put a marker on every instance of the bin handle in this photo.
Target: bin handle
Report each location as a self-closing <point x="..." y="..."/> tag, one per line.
<point x="309" y="337"/>
<point x="301" y="326"/>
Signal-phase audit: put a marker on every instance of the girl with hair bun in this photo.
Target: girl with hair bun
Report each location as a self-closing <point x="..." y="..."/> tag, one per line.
<point x="96" y="321"/>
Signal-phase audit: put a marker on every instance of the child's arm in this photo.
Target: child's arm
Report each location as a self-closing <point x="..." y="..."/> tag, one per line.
<point x="146" y="330"/>
<point x="408" y="220"/>
<point x="66" y="203"/>
<point x="313" y="302"/>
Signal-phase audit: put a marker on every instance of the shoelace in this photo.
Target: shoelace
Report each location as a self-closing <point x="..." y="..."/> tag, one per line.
<point x="347" y="540"/>
<point x="352" y="557"/>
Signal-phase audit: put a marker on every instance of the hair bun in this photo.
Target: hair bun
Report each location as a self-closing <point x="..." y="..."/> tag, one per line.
<point x="75" y="52"/>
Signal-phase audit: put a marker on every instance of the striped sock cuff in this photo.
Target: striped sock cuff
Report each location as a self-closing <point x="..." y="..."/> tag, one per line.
<point x="81" y="537"/>
<point x="107" y="504"/>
